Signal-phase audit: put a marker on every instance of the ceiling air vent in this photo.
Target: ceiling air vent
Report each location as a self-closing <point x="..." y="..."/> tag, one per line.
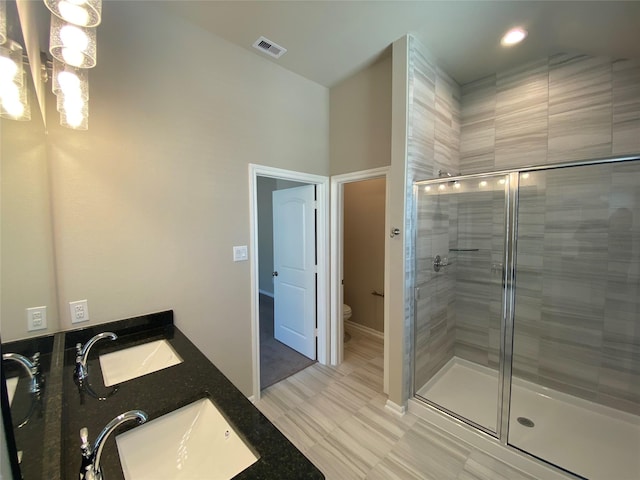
<point x="270" y="48"/>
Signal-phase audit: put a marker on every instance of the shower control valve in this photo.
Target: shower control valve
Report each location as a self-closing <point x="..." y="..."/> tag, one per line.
<point x="440" y="262"/>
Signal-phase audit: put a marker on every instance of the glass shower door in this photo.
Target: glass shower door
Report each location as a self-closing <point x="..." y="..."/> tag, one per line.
<point x="575" y="396"/>
<point x="460" y="255"/>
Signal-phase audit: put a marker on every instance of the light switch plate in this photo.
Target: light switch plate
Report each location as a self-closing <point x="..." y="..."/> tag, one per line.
<point x="79" y="311"/>
<point x="240" y="253"/>
<point x="36" y="318"/>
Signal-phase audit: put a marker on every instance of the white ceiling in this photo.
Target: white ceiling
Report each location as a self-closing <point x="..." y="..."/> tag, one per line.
<point x="328" y="41"/>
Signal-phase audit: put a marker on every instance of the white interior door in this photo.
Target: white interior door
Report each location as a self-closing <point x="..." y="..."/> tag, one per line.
<point x="294" y="263"/>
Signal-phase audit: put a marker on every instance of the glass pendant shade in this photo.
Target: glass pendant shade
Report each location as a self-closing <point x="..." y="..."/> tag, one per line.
<point x="14" y="102"/>
<point x="11" y="63"/>
<point x="84" y="13"/>
<point x="75" y="120"/>
<point x="71" y="103"/>
<point x="70" y="80"/>
<point x="71" y="44"/>
<point x="3" y="21"/>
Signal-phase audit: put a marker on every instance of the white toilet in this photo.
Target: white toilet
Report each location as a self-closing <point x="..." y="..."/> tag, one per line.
<point x="346" y="315"/>
<point x="346" y="312"/>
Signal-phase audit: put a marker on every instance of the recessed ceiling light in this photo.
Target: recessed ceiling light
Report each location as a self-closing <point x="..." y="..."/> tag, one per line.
<point x="513" y="36"/>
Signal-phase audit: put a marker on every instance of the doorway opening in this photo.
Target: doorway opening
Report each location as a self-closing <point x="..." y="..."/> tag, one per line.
<point x="360" y="259"/>
<point x="289" y="273"/>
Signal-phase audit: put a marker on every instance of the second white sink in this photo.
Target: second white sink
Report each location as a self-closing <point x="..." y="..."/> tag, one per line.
<point x="134" y="362"/>
<point x="194" y="442"/>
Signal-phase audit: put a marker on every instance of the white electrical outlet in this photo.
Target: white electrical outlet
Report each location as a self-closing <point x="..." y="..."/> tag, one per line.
<point x="36" y="318"/>
<point x="240" y="253"/>
<point x="79" y="311"/>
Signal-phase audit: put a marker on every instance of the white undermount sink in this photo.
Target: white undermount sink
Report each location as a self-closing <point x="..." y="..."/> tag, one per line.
<point x="134" y="362"/>
<point x="194" y="442"/>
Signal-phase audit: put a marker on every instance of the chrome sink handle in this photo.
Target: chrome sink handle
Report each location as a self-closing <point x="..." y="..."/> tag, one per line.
<point x="82" y="353"/>
<point x="90" y="469"/>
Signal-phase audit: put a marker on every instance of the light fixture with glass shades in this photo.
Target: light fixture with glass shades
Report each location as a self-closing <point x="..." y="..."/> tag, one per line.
<point x="14" y="98"/>
<point x="84" y="13"/>
<point x="70" y="81"/>
<point x="71" y="86"/>
<point x="72" y="43"/>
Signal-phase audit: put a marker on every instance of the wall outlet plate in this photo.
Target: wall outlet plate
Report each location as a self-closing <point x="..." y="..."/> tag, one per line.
<point x="240" y="253"/>
<point x="36" y="318"/>
<point x="79" y="311"/>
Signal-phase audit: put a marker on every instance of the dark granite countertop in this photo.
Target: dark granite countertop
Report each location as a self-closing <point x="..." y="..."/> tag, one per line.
<point x="162" y="392"/>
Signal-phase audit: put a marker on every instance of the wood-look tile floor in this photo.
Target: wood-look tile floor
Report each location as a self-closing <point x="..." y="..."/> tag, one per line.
<point x="336" y="417"/>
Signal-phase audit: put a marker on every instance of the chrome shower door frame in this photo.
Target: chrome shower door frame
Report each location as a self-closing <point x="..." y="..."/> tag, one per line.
<point x="504" y="372"/>
<point x="508" y="307"/>
<point x="509" y="286"/>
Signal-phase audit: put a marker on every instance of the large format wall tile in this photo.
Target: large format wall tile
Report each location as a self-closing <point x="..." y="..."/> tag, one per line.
<point x="626" y="107"/>
<point x="521" y="124"/>
<point x="433" y="144"/>
<point x="555" y="110"/>
<point x="447" y="128"/>
<point x="477" y="130"/>
<point x="580" y="108"/>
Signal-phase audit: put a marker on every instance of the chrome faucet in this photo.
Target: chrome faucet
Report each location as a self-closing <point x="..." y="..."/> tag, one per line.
<point x="31" y="365"/>
<point x="82" y="353"/>
<point x="90" y="469"/>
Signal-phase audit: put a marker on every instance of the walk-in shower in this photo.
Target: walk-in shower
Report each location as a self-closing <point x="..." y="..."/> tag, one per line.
<point x="527" y="322"/>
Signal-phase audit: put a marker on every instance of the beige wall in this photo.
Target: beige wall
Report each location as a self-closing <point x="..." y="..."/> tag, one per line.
<point x="149" y="202"/>
<point x="360" y="120"/>
<point x="27" y="267"/>
<point x="363" y="264"/>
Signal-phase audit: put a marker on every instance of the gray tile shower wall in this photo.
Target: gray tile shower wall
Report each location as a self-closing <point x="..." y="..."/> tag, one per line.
<point x="432" y="144"/>
<point x="563" y="108"/>
<point x="478" y="273"/>
<point x="578" y="283"/>
<point x="577" y="329"/>
<point x="626" y="105"/>
<point x="521" y="115"/>
<point x="478" y="127"/>
<point x="436" y="314"/>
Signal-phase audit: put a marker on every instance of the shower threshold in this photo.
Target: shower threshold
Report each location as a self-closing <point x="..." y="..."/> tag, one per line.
<point x="586" y="438"/>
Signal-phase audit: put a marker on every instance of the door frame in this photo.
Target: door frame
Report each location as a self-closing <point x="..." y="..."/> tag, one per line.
<point x="337" y="250"/>
<point x="322" y="245"/>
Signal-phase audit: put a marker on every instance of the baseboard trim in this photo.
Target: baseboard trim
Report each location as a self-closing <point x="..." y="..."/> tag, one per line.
<point x="252" y="399"/>
<point x="399" y="410"/>
<point x="363" y="329"/>
<point x="264" y="292"/>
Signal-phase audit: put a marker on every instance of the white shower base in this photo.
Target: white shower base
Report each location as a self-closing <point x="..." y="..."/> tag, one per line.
<point x="586" y="438"/>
